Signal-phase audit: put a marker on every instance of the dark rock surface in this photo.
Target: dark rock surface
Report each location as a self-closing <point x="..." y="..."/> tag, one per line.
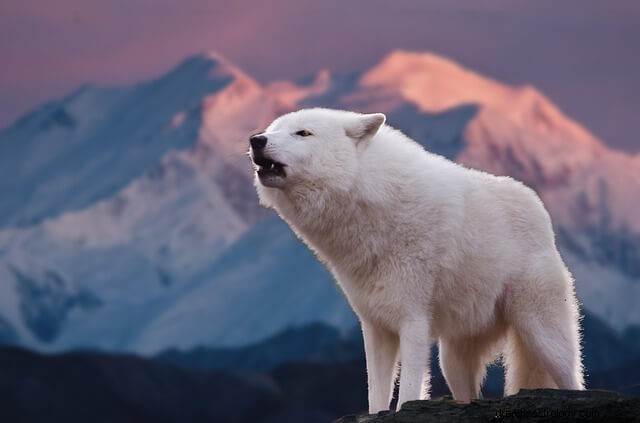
<point x="542" y="405"/>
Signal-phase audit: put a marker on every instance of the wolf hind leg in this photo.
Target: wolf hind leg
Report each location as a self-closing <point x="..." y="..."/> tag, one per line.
<point x="463" y="370"/>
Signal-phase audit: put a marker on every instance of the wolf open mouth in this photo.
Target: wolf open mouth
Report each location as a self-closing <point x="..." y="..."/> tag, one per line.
<point x="268" y="167"/>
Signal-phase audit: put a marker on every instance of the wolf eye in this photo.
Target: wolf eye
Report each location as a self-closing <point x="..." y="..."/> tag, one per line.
<point x="303" y="133"/>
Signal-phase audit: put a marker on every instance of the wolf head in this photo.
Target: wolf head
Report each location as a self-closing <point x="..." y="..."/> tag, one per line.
<point x="311" y="148"/>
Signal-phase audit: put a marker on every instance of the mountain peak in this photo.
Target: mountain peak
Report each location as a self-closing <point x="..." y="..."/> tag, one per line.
<point x="432" y="82"/>
<point x="435" y="84"/>
<point x="209" y="65"/>
<point x="223" y="65"/>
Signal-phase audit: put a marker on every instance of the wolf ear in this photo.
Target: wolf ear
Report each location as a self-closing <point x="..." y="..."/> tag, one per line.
<point x="365" y="126"/>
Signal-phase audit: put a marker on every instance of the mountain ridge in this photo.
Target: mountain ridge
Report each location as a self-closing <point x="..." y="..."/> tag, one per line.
<point x="145" y="245"/>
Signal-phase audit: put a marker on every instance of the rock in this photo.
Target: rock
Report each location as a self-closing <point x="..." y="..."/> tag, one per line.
<point x="528" y="405"/>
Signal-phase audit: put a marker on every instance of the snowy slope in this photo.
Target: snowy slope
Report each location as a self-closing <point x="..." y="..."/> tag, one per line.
<point x="264" y="283"/>
<point x="132" y="222"/>
<point x="64" y="155"/>
<point x="134" y="248"/>
<point x="132" y="251"/>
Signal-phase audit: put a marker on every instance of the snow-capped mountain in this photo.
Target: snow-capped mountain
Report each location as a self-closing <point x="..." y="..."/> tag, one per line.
<point x="129" y="220"/>
<point x="70" y="153"/>
<point x="176" y="197"/>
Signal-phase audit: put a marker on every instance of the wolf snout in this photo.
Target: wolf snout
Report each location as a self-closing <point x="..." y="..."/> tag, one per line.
<point x="258" y="141"/>
<point x="260" y="159"/>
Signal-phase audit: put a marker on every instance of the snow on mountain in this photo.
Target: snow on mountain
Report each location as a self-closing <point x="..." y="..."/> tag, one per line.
<point x="132" y="223"/>
<point x="264" y="283"/>
<point x="181" y="204"/>
<point x="605" y="291"/>
<point x="62" y="156"/>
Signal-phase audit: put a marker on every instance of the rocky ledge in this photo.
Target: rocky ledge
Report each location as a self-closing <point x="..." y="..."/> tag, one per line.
<point x="545" y="405"/>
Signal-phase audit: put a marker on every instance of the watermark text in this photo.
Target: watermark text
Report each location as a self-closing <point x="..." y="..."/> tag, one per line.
<point x="557" y="413"/>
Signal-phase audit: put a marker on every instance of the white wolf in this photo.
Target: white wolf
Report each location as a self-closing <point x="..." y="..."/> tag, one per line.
<point x="425" y="251"/>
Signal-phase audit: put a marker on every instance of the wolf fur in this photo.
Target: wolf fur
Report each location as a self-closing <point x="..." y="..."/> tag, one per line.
<point x="425" y="251"/>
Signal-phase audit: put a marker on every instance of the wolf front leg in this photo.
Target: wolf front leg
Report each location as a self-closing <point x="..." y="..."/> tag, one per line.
<point x="414" y="361"/>
<point x="381" y="349"/>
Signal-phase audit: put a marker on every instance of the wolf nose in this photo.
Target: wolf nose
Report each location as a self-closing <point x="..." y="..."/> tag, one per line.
<point x="258" y="141"/>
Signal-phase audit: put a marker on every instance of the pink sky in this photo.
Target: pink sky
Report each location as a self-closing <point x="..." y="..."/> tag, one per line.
<point x="581" y="53"/>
